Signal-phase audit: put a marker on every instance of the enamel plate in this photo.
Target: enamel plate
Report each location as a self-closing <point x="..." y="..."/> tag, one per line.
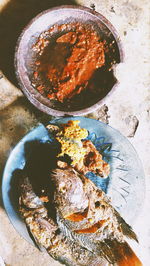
<point x="125" y="184"/>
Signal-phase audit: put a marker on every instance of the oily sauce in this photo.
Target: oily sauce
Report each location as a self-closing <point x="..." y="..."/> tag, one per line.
<point x="67" y="63"/>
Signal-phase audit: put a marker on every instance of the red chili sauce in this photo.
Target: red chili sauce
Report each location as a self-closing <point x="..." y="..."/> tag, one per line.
<point x="68" y="62"/>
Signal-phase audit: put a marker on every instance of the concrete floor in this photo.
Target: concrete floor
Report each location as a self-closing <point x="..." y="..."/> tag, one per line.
<point x="128" y="107"/>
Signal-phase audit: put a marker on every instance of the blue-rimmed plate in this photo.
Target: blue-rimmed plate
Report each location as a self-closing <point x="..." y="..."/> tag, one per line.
<point x="125" y="184"/>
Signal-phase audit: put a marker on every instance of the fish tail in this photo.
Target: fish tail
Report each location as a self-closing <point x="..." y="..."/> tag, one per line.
<point x="126" y="256"/>
<point x="118" y="253"/>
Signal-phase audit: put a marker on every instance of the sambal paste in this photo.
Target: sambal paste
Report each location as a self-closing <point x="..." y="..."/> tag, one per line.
<point x="68" y="61"/>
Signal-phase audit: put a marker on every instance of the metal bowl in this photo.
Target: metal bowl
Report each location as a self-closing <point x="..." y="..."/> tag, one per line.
<point x="24" y="59"/>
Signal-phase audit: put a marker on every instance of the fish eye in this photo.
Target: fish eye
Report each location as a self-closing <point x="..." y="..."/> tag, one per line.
<point x="97" y="204"/>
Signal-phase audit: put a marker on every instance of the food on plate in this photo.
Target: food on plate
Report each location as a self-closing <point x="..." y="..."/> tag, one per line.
<point x="45" y="230"/>
<point x="85" y="157"/>
<point x="68" y="214"/>
<point x="67" y="62"/>
<point x="92" y="161"/>
<point x="84" y="212"/>
<point x="70" y="137"/>
<point x="83" y="227"/>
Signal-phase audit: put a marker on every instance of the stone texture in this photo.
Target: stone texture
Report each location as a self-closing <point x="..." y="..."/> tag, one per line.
<point x="130" y="99"/>
<point x="131" y="124"/>
<point x="100" y="114"/>
<point x="8" y="92"/>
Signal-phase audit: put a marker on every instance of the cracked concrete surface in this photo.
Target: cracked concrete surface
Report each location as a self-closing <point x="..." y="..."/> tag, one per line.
<point x="100" y="114"/>
<point x="128" y="108"/>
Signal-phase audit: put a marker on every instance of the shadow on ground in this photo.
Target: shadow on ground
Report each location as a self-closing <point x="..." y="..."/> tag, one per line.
<point x="38" y="166"/>
<point x="13" y="18"/>
<point x="15" y="121"/>
<point x="15" y="15"/>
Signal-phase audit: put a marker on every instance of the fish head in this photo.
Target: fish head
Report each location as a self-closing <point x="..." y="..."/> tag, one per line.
<point x="70" y="196"/>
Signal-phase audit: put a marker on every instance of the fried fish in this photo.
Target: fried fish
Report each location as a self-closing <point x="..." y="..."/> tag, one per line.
<point x="84" y="213"/>
<point x="46" y="233"/>
<point x="77" y="225"/>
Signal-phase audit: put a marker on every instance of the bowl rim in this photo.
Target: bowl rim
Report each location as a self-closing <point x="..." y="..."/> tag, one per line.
<point x="54" y="112"/>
